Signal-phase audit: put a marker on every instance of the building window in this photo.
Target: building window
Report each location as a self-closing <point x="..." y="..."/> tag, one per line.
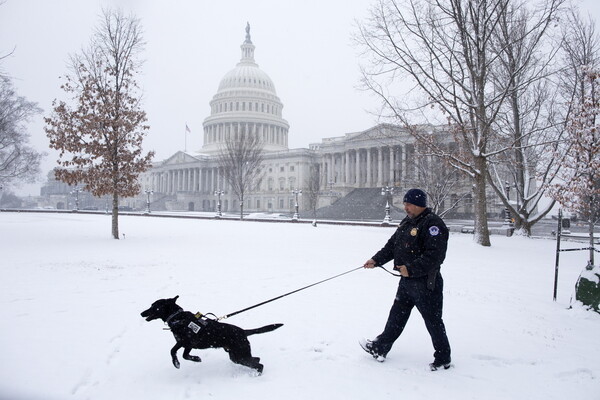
<point x="258" y="204"/>
<point x="281" y="169"/>
<point x="281" y="204"/>
<point x="292" y="168"/>
<point x="281" y="183"/>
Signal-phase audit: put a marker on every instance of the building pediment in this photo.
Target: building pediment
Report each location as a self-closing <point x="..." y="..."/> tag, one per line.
<point x="180" y="158"/>
<point x="381" y="134"/>
<point x="378" y="132"/>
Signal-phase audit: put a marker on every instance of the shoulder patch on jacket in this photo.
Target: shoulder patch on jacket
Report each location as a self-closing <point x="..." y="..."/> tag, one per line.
<point x="434" y="230"/>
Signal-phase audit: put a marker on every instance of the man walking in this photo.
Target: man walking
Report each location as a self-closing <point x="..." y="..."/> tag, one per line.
<point x="418" y="248"/>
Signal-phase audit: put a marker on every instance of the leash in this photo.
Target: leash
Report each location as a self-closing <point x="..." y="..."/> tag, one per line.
<point x="389" y="272"/>
<point x="287" y="294"/>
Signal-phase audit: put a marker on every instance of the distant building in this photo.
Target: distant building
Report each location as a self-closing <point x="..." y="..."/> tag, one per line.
<point x="246" y="101"/>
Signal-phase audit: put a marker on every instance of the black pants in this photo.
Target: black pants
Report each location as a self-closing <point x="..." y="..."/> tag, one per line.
<point x="411" y="293"/>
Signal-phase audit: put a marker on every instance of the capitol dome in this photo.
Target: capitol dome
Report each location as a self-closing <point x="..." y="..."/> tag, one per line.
<point x="246" y="102"/>
<point x="246" y="75"/>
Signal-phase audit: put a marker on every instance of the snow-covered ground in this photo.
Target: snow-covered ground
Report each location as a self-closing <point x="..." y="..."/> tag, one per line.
<point x="71" y="297"/>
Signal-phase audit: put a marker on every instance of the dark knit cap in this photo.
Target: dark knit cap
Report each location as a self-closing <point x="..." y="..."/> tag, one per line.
<point x="416" y="197"/>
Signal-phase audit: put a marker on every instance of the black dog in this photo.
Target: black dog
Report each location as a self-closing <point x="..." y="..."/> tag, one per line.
<point x="192" y="332"/>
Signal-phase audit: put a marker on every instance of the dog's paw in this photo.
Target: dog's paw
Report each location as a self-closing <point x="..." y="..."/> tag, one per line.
<point x="176" y="363"/>
<point x="193" y="358"/>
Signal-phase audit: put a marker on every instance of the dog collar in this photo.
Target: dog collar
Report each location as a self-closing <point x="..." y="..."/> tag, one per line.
<point x="172" y="316"/>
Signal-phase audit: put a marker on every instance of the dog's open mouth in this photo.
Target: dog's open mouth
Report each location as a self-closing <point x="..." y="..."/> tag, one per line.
<point x="146" y="314"/>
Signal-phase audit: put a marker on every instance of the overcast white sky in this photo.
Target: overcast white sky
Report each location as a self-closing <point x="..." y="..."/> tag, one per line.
<point x="303" y="45"/>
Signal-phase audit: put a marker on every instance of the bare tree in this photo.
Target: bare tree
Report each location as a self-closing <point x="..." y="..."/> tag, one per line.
<point x="440" y="182"/>
<point x="528" y="126"/>
<point x="449" y="50"/>
<point x="100" y="136"/>
<point x="19" y="163"/>
<point x="240" y="160"/>
<point x="3" y="56"/>
<point x="9" y="199"/>
<point x="445" y="48"/>
<point x="580" y="46"/>
<point x="313" y="188"/>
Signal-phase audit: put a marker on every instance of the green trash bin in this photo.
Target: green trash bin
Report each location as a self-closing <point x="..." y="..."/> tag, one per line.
<point x="587" y="288"/>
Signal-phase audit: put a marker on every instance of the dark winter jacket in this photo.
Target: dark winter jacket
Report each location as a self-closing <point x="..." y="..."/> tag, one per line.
<point x="418" y="243"/>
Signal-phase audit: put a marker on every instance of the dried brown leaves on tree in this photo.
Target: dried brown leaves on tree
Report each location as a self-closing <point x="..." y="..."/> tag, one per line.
<point x="580" y="154"/>
<point x="99" y="132"/>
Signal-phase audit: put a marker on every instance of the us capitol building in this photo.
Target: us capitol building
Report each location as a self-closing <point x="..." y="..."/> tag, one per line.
<point x="246" y="102"/>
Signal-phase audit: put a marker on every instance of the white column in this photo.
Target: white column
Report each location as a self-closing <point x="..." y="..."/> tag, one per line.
<point x="403" y="162"/>
<point x="331" y="168"/>
<point x="391" y="180"/>
<point x="369" y="169"/>
<point x="168" y="182"/>
<point x="357" y="169"/>
<point x="194" y="178"/>
<point x="379" y="166"/>
<point x="347" y="167"/>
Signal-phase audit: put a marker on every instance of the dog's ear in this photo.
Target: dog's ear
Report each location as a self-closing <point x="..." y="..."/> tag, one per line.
<point x="175" y="298"/>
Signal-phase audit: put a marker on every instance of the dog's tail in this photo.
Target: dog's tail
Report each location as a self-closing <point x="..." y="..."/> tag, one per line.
<point x="262" y="329"/>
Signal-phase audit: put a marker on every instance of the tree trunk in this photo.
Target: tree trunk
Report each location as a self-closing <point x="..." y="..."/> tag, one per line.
<point x="526" y="228"/>
<point x="482" y="233"/>
<point x="115" y="216"/>
<point x="591" y="232"/>
<point x="241" y="208"/>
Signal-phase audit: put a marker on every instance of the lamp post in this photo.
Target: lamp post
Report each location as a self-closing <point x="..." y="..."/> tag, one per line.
<point x="387" y="191"/>
<point x="296" y="192"/>
<point x="148" y="193"/>
<point x="219" y="193"/>
<point x="507" y="219"/>
<point x="76" y="192"/>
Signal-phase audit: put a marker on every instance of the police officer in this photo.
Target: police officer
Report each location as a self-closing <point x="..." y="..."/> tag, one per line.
<point x="418" y="248"/>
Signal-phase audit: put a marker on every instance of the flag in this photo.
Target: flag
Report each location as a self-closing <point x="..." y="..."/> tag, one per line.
<point x="187" y="129"/>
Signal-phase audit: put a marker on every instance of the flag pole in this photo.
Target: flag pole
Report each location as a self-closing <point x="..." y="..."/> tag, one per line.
<point x="187" y="130"/>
